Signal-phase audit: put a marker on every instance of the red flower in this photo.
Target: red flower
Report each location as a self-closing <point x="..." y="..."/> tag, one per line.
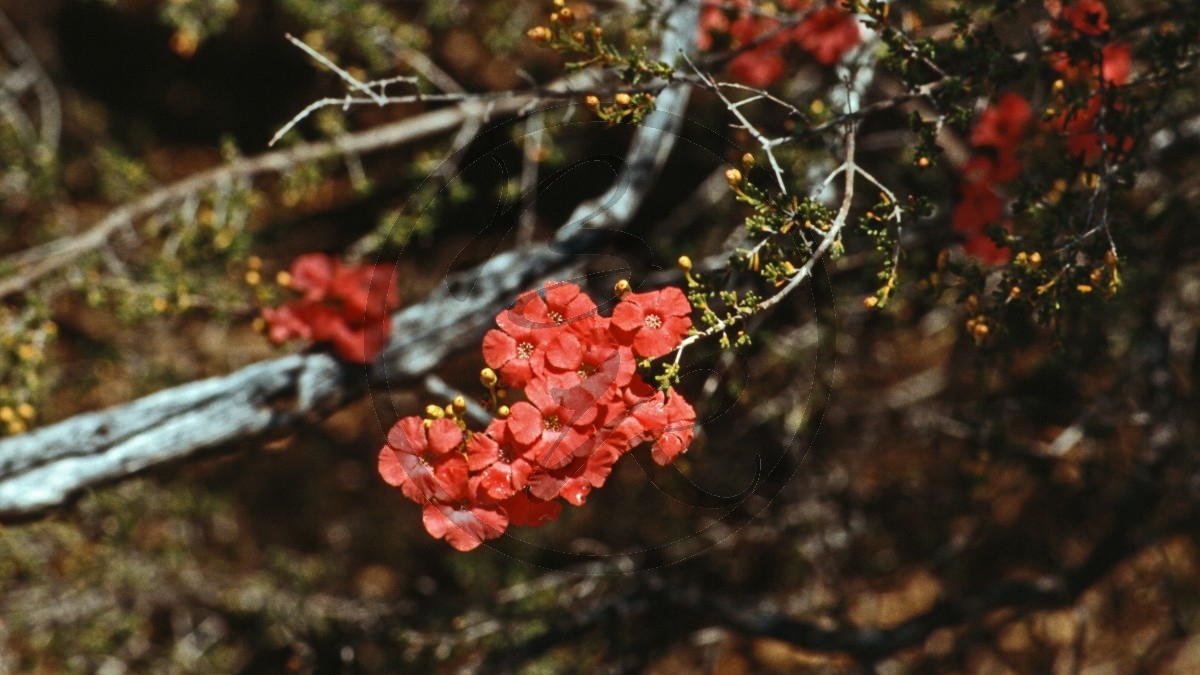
<point x="1082" y="137"/>
<point x="675" y="437"/>
<point x="657" y="321"/>
<point x="827" y="34"/>
<point x="345" y="306"/>
<point x="1089" y="17"/>
<point x="979" y="207"/>
<point x="465" y="526"/>
<point x="585" y="407"/>
<point x="502" y="471"/>
<point x="1002" y="124"/>
<point x="525" y="510"/>
<point x="531" y="336"/>
<point x="1117" y="63"/>
<point x="547" y="432"/>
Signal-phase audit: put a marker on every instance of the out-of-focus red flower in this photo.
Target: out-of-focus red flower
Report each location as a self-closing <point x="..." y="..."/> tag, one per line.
<point x="827" y="34"/>
<point x="1081" y="134"/>
<point x="1002" y="124"/>
<point x="1089" y="17"/>
<point x="346" y="306"/>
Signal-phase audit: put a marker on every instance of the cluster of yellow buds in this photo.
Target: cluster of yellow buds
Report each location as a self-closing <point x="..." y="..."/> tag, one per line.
<point x="455" y="411"/>
<point x="625" y="107"/>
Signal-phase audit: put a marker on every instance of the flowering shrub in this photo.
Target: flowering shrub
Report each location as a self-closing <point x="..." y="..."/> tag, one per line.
<point x="346" y="306"/>
<point x="995" y="139"/>
<point x="585" y="406"/>
<point x="1096" y="70"/>
<point x="826" y="34"/>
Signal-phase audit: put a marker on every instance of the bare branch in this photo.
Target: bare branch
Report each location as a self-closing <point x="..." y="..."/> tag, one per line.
<point x="42" y="469"/>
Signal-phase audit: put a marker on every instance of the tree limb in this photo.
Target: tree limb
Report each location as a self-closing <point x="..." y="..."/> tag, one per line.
<point x="42" y="469"/>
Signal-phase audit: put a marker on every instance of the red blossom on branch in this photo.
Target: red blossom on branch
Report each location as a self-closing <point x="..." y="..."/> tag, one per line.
<point x="585" y="407"/>
<point x="346" y="306"/>
<point x="826" y="35"/>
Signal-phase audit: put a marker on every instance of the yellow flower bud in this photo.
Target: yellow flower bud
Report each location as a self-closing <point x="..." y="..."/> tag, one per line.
<point x="459" y="403"/>
<point x="502" y="412"/>
<point x="434" y="412"/>
<point x="733" y="177"/>
<point x="487" y="377"/>
<point x="622" y="99"/>
<point x="538" y="34"/>
<point x="592" y="102"/>
<point x="685" y="263"/>
<point x="622" y="288"/>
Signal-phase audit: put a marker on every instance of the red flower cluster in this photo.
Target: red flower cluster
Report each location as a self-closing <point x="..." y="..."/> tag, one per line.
<point x="585" y="407"/>
<point x="346" y="306"/>
<point x="995" y="138"/>
<point x="826" y="35"/>
<point x="1112" y="68"/>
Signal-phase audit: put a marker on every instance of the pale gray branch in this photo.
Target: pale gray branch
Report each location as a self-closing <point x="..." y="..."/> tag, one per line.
<point x="42" y="469"/>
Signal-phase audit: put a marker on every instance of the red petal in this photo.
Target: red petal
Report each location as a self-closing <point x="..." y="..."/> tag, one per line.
<point x="311" y="274"/>
<point x="444" y="436"/>
<point x="498" y="348"/>
<point x="390" y="469"/>
<point x="525" y="423"/>
<point x="628" y="316"/>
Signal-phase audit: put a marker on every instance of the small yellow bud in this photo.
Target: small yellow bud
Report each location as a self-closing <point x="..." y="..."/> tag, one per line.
<point x="160" y="304"/>
<point x="459" y="403"/>
<point x="6" y="414"/>
<point x="870" y="302"/>
<point x="622" y="99"/>
<point x="554" y="18"/>
<point x="502" y="412"/>
<point x="254" y="262"/>
<point x="971" y="303"/>
<point x="538" y="34"/>
<point x="434" y="412"/>
<point x="1014" y="292"/>
<point x="560" y="3"/>
<point x="253" y="277"/>
<point x="923" y="162"/>
<point x="622" y="288"/>
<point x="1035" y="259"/>
<point x="597" y="31"/>
<point x="566" y="15"/>
<point x="1096" y="276"/>
<point x="592" y="102"/>
<point x="25" y="352"/>
<point x="283" y="278"/>
<point x="1110" y="258"/>
<point x="733" y="177"/>
<point x="685" y="263"/>
<point x="577" y="36"/>
<point x="1083" y="288"/>
<point x="980" y="331"/>
<point x="1057" y="86"/>
<point x="1021" y="258"/>
<point x="648" y="99"/>
<point x="25" y="410"/>
<point x="259" y="325"/>
<point x="747" y="161"/>
<point x="488" y="378"/>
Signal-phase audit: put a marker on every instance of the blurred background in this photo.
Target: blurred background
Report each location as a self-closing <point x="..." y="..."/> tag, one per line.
<point x="869" y="491"/>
